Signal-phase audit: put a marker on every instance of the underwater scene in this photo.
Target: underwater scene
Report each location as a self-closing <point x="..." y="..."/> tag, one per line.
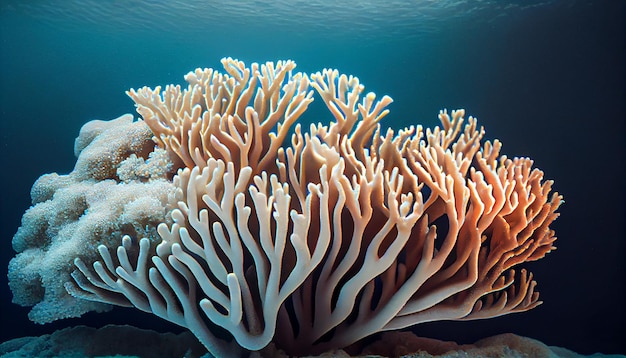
<point x="312" y="178"/>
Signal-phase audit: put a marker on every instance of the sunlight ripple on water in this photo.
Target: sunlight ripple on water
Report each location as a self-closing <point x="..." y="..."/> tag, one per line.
<point x="344" y="18"/>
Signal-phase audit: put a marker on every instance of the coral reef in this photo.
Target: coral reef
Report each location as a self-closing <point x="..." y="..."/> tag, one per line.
<point x="306" y="241"/>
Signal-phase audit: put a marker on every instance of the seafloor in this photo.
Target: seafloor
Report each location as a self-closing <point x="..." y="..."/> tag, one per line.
<point x="122" y="341"/>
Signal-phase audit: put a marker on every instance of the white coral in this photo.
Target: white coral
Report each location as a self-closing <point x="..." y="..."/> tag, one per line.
<point x="74" y="213"/>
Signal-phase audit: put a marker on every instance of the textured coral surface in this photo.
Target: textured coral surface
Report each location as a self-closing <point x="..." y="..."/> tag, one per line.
<point x="219" y="212"/>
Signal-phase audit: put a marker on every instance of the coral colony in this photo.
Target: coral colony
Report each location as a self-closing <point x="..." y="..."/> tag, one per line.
<point x="217" y="211"/>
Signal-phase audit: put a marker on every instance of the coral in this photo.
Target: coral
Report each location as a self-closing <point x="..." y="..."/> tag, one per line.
<point x="102" y="146"/>
<point x="73" y="214"/>
<point x="135" y="168"/>
<point x="316" y="242"/>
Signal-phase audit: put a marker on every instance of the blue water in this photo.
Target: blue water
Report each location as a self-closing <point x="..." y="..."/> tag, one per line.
<point x="544" y="77"/>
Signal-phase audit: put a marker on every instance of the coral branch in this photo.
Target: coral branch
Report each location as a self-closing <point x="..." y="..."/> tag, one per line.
<point x="316" y="242"/>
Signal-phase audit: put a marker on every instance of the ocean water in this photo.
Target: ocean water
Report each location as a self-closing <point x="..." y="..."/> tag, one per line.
<point x="544" y="77"/>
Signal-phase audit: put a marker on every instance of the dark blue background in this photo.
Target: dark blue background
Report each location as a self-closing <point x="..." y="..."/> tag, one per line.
<point x="547" y="81"/>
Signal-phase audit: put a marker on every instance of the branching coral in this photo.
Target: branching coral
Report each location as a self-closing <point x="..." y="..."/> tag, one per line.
<point x="338" y="234"/>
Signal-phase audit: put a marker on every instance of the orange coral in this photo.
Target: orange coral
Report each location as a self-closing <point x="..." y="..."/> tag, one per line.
<point x="341" y="234"/>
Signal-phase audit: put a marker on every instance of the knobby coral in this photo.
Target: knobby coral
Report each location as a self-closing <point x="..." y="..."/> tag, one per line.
<point x="339" y="233"/>
<point x="93" y="205"/>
